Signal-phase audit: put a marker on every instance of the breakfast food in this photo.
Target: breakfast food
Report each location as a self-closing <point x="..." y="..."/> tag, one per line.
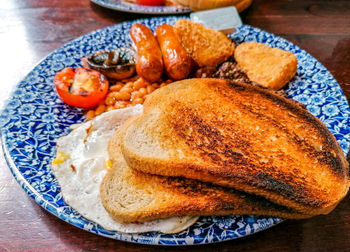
<point x="198" y="5"/>
<point x="176" y="61"/>
<point x="80" y="87"/>
<point x="207" y="47"/>
<point x="230" y="70"/>
<point x="117" y="64"/>
<point x="80" y="165"/>
<point x="125" y="93"/>
<point x="150" y="2"/>
<point x="133" y="196"/>
<point x="200" y="146"/>
<point x="239" y="136"/>
<point x="270" y="67"/>
<point x="184" y="51"/>
<point x="149" y="57"/>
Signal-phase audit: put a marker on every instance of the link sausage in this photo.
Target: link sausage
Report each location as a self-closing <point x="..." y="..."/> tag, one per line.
<point x="149" y="63"/>
<point x="176" y="61"/>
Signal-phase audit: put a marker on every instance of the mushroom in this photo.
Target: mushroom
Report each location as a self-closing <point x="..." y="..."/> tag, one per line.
<point x="117" y="64"/>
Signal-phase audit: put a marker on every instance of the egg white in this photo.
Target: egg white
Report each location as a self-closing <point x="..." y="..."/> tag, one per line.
<point x="82" y="157"/>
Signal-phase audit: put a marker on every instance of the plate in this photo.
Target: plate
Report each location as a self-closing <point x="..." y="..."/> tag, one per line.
<point x="125" y="6"/>
<point x="34" y="117"/>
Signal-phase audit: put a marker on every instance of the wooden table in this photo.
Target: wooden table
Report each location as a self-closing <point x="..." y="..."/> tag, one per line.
<point x="30" y="29"/>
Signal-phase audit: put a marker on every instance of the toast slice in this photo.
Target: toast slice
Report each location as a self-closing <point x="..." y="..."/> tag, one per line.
<point x="129" y="195"/>
<point x="207" y="47"/>
<point x="239" y="136"/>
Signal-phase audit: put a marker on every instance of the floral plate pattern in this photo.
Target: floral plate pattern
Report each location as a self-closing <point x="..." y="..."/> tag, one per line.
<point x="34" y="117"/>
<point x="125" y="6"/>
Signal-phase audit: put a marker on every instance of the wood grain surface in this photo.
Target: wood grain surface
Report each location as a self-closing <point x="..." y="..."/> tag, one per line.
<point x="30" y="29"/>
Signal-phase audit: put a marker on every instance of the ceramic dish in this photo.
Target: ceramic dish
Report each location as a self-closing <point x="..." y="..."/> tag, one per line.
<point x="125" y="6"/>
<point x="34" y="117"/>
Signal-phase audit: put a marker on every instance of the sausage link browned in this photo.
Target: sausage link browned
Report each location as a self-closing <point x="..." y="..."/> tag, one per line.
<point x="176" y="61"/>
<point x="149" y="57"/>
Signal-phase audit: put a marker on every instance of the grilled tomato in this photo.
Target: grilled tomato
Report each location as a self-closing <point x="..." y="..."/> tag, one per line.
<point x="80" y="87"/>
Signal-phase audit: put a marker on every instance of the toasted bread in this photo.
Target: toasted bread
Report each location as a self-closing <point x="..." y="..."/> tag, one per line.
<point x="133" y="196"/>
<point x="270" y="67"/>
<point x="240" y="136"/>
<point x="207" y="47"/>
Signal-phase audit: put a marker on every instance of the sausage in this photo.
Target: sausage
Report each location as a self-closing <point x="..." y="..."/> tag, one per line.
<point x="176" y="61"/>
<point x="149" y="63"/>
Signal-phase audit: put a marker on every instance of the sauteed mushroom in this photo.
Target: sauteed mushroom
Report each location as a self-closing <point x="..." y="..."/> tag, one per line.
<point x="116" y="64"/>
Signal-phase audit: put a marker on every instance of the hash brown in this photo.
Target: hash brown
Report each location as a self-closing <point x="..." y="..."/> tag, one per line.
<point x="270" y="67"/>
<point x="207" y="47"/>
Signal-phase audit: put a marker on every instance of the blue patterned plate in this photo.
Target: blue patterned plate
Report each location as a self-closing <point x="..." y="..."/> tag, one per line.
<point x="125" y="6"/>
<point x="34" y="118"/>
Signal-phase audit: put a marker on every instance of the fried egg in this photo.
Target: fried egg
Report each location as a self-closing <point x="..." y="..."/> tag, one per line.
<point x="80" y="165"/>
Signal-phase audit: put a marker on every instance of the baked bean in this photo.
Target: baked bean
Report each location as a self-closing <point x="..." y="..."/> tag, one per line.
<point x="119" y="105"/>
<point x="122" y="96"/>
<point x="126" y="90"/>
<point x="143" y="91"/>
<point x="155" y="85"/>
<point x="100" y="109"/>
<point x="140" y="83"/>
<point x="136" y="94"/>
<point x="90" y="115"/>
<point x="112" y="94"/>
<point x="116" y="87"/>
<point x="128" y="85"/>
<point x="138" y="101"/>
<point x="109" y="100"/>
<point x="150" y="89"/>
<point x="126" y="93"/>
<point x="123" y="102"/>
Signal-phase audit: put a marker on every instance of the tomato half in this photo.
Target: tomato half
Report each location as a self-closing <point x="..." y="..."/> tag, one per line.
<point x="80" y="87"/>
<point x="150" y="2"/>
